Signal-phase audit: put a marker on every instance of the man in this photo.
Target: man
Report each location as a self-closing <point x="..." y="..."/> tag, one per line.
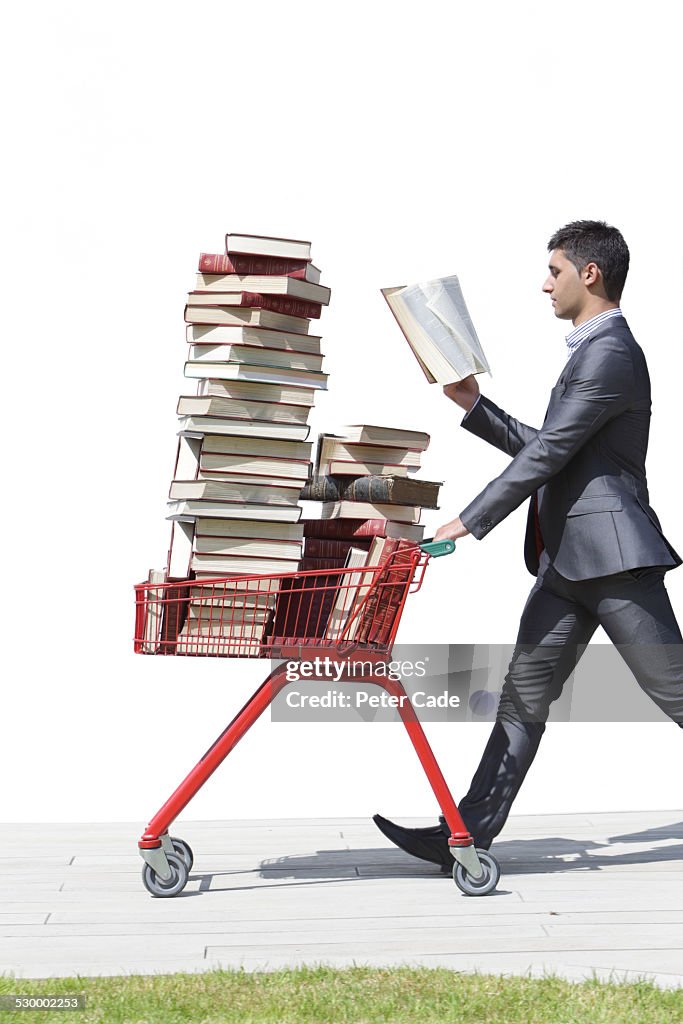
<point x="592" y="540"/>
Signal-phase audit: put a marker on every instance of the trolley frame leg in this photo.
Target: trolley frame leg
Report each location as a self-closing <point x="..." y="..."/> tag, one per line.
<point x="460" y="842"/>
<point x="151" y="844"/>
<point x="155" y="841"/>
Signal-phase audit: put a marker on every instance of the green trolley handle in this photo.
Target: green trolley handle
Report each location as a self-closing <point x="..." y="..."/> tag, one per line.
<point x="436" y="548"/>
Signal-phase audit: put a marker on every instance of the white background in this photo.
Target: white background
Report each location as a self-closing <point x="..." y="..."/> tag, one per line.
<point x="406" y="142"/>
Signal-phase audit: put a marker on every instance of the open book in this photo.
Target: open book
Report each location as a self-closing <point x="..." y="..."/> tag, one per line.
<point x="437" y="326"/>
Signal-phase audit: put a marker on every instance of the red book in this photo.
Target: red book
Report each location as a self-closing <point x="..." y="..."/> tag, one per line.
<point x="385" y="597"/>
<point x="303" y="607"/>
<point x="310" y="563"/>
<point x="350" y="529"/>
<point x="176" y="602"/>
<point x="219" y="263"/>
<point x="275" y="303"/>
<point x="322" y="548"/>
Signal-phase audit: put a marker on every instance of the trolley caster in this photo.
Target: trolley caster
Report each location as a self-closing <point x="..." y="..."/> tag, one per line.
<point x="157" y="886"/>
<point x="184" y="851"/>
<point x="483" y="885"/>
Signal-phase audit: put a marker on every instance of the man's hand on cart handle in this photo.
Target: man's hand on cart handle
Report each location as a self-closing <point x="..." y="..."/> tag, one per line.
<point x="451" y="531"/>
<point x="463" y="392"/>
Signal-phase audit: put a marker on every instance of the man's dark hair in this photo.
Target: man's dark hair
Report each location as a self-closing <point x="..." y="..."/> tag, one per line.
<point x="593" y="241"/>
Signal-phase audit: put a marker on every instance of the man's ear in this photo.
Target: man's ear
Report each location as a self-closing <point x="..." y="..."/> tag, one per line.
<point x="591" y="274"/>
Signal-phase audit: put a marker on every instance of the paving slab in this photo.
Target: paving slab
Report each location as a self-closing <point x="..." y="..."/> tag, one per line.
<point x="580" y="895"/>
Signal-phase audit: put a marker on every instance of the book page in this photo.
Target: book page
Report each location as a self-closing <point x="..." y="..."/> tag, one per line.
<point x="447" y="331"/>
<point x="445" y="299"/>
<point x="408" y="324"/>
<point x="436" y="324"/>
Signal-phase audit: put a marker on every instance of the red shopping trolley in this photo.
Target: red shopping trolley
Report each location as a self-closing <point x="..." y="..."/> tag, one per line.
<point x="350" y="613"/>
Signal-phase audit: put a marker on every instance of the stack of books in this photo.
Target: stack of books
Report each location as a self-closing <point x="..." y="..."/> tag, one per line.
<point x="362" y="478"/>
<point x="243" y="455"/>
<point x="371" y="509"/>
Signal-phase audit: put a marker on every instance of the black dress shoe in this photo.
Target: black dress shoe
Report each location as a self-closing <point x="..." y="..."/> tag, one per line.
<point x="429" y="844"/>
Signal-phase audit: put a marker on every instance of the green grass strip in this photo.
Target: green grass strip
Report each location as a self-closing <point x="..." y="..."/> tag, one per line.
<point x="357" y="995"/>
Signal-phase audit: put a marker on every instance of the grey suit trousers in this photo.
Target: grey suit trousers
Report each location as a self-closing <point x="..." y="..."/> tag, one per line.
<point x="558" y="620"/>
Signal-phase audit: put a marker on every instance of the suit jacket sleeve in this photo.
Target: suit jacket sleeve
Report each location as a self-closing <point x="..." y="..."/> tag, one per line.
<point x="501" y="430"/>
<point x="598" y="389"/>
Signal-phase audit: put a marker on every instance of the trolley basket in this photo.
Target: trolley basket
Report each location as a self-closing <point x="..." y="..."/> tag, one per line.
<point x="352" y="613"/>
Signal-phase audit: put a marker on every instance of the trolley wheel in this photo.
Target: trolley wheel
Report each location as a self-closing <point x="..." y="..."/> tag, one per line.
<point x="478" y="886"/>
<point x="169" y="886"/>
<point x="184" y="851"/>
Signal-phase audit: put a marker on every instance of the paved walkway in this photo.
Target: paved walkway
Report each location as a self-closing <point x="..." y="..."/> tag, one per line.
<point x="579" y="894"/>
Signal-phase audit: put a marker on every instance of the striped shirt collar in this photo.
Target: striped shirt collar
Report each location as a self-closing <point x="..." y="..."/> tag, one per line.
<point x="584" y="330"/>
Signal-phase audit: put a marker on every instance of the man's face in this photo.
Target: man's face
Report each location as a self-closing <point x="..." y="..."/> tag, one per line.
<point x="565" y="286"/>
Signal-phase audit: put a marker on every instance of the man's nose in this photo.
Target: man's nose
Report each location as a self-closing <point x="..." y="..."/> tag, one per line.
<point x="548" y="284"/>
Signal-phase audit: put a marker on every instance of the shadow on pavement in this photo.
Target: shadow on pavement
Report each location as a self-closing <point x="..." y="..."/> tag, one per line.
<point x="516" y="856"/>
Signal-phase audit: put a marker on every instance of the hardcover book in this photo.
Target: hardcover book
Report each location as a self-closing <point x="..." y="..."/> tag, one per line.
<point x="391" y="437"/>
<point x="320" y="547"/>
<point x="241" y="408"/>
<point x="353" y="529"/>
<point x="314" y="563"/>
<point x="249" y="529"/>
<point x="256" y="354"/>
<point x="186" y="510"/>
<point x="263" y="285"/>
<point x="253" y="547"/>
<point x="201" y="426"/>
<point x="221" y="263"/>
<point x="332" y="448"/>
<point x="233" y="490"/>
<point x="349" y="467"/>
<point x="234" y="334"/>
<point x="266" y="373"/>
<point x="205" y="564"/>
<point x="265" y="245"/>
<point x="259" y="447"/>
<point x="284" y="304"/>
<point x="252" y="316"/>
<point x="394" y="490"/>
<point x="349" y="586"/>
<point x="249" y="465"/>
<point x="370" y="510"/>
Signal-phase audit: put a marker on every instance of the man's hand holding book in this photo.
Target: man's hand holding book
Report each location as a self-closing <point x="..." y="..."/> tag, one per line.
<point x="463" y="392"/>
<point x="437" y="326"/>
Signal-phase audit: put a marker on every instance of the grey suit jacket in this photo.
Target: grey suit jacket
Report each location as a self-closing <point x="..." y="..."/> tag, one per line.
<point x="586" y="464"/>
